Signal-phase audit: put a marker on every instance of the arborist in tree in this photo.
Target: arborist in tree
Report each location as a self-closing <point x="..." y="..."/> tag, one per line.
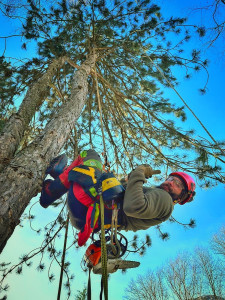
<point x="144" y="207"/>
<point x="140" y="207"/>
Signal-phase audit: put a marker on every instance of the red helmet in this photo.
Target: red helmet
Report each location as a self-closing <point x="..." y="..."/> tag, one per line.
<point x="190" y="186"/>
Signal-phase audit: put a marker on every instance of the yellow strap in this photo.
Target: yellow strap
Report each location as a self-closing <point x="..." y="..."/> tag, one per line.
<point x="89" y="172"/>
<point x="96" y="214"/>
<point x="110" y="183"/>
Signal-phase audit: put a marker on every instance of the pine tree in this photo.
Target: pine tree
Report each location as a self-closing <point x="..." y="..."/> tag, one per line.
<point x="127" y="47"/>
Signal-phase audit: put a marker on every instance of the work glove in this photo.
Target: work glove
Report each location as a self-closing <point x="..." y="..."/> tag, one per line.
<point x="147" y="170"/>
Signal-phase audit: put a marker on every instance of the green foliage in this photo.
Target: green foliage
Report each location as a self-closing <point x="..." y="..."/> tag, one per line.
<point x="41" y="267"/>
<point x="8" y="87"/>
<point x="19" y="270"/>
<point x="195" y="55"/>
<point x="163" y="235"/>
<point x="201" y="31"/>
<point x="139" y="53"/>
<point x="192" y="223"/>
<point x="51" y="277"/>
<point x="130" y="79"/>
<point x="82" y="294"/>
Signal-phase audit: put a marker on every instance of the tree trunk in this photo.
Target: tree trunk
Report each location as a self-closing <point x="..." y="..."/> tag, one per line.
<point x="14" y="129"/>
<point x="22" y="178"/>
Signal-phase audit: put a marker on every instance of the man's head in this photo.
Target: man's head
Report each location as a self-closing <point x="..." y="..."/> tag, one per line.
<point x="180" y="186"/>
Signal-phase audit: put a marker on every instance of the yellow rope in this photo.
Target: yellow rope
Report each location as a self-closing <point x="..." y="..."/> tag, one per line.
<point x="103" y="250"/>
<point x="103" y="241"/>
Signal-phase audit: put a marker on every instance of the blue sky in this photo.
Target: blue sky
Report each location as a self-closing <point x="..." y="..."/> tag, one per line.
<point x="207" y="209"/>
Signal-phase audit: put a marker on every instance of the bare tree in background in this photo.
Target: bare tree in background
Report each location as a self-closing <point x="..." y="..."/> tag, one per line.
<point x="182" y="277"/>
<point x="218" y="242"/>
<point x="213" y="272"/>
<point x="189" y="276"/>
<point x="148" y="287"/>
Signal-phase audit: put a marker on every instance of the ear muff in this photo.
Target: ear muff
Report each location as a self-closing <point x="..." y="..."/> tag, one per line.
<point x="190" y="197"/>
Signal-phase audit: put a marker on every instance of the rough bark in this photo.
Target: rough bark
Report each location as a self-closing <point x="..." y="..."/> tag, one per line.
<point x="22" y="178"/>
<point x="14" y="129"/>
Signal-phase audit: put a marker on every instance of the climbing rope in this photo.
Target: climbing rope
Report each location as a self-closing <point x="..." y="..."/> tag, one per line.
<point x="103" y="249"/>
<point x="63" y="258"/>
<point x="106" y="165"/>
<point x="103" y="241"/>
<point x="106" y="168"/>
<point x="116" y="251"/>
<point x="99" y="103"/>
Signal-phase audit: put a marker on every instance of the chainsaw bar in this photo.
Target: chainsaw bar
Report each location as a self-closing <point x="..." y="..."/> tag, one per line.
<point x="114" y="264"/>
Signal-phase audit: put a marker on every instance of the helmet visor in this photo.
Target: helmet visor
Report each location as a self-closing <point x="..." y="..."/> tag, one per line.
<point x="177" y="182"/>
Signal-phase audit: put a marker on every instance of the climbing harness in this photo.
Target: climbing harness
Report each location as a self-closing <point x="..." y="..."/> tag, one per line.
<point x="104" y="255"/>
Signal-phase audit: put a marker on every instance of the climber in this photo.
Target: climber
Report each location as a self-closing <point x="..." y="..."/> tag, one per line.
<point x="144" y="207"/>
<point x="141" y="207"/>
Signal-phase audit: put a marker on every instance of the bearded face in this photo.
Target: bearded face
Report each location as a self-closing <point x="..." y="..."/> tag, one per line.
<point x="175" y="187"/>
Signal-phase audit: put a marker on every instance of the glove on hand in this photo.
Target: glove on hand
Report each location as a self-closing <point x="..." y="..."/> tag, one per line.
<point x="147" y="170"/>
